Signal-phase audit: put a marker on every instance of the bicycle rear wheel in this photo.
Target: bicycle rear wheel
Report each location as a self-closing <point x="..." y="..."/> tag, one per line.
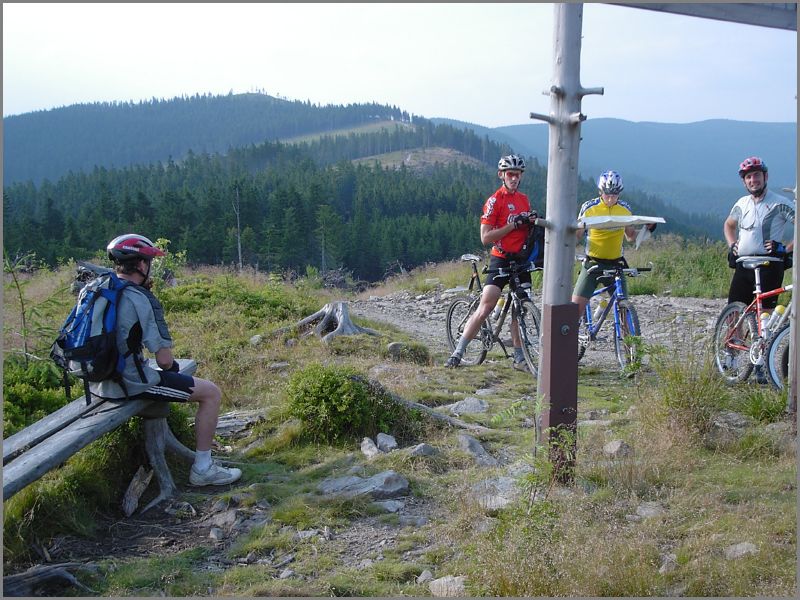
<point x="732" y="343"/>
<point x="777" y="357"/>
<point x="626" y="348"/>
<point x="458" y="313"/>
<point x="529" y="334"/>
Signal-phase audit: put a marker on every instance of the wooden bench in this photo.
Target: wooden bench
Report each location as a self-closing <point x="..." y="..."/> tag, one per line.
<point x="48" y="443"/>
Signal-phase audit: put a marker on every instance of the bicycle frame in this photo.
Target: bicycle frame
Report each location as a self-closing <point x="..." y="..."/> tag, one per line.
<point x="490" y="330"/>
<point x="616" y="295"/>
<point x="755" y="307"/>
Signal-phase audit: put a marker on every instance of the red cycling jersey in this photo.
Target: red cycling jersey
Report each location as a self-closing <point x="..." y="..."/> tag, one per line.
<point x="498" y="211"/>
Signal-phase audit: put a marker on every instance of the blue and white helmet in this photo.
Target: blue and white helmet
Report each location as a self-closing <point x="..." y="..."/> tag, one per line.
<point x="610" y="183"/>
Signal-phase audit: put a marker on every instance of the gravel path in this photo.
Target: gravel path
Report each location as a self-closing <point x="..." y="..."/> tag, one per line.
<point x="673" y="322"/>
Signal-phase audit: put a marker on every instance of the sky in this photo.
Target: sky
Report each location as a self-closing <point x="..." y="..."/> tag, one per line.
<point x="486" y="64"/>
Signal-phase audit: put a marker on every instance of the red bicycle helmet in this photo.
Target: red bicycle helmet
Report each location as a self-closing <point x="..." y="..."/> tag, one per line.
<point x="130" y="246"/>
<point x="752" y="163"/>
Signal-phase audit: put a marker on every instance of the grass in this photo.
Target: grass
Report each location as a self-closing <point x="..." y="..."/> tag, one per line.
<point x="581" y="540"/>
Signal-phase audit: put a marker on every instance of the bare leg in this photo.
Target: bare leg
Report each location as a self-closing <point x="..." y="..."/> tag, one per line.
<point x="489" y="298"/>
<point x="209" y="398"/>
<point x="581" y="302"/>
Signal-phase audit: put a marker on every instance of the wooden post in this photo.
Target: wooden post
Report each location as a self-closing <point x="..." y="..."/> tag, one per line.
<point x="558" y="380"/>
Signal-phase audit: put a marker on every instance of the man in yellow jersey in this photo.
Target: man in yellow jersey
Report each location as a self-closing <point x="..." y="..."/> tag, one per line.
<point x="603" y="246"/>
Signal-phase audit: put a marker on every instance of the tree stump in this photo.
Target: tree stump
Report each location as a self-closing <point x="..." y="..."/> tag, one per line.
<point x="334" y="319"/>
<point x="158" y="437"/>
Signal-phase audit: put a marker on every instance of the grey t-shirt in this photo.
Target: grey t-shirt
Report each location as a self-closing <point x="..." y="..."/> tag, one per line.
<point x="140" y="323"/>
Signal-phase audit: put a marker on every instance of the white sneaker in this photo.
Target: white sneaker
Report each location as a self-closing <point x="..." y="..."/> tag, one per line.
<point x="521" y="366"/>
<point x="214" y="475"/>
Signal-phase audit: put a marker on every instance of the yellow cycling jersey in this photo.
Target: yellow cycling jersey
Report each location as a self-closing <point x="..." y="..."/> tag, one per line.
<point x="604" y="243"/>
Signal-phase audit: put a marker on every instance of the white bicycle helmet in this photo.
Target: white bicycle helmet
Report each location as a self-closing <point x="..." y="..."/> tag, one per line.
<point x="512" y="162"/>
<point x="131" y="246"/>
<point x="610" y="183"/>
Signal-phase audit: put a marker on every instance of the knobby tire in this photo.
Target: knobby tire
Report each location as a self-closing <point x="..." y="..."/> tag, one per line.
<point x="777" y="357"/>
<point x="734" y="364"/>
<point x="458" y="313"/>
<point x="529" y="323"/>
<point x="627" y="349"/>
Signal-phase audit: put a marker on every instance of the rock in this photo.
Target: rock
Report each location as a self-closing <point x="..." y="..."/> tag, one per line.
<point x="495" y="494"/>
<point x="224" y="519"/>
<point x="395" y="349"/>
<point x="285" y="574"/>
<point x="669" y="562"/>
<point x="256" y="339"/>
<point x="389" y="506"/>
<point x="382" y="486"/>
<point x="369" y="448"/>
<point x="595" y="415"/>
<point x="484" y="392"/>
<point x="216" y="534"/>
<point x="740" y="550"/>
<point x="473" y="447"/>
<point x="278" y="366"/>
<point x="305" y="535"/>
<point x="413" y="521"/>
<point x="448" y="587"/>
<point x="650" y="509"/>
<point x="617" y="449"/>
<point x="423" y="450"/>
<point x="469" y="406"/>
<point x="726" y="427"/>
<point x="594" y="423"/>
<point x="425" y="576"/>
<point x="386" y="443"/>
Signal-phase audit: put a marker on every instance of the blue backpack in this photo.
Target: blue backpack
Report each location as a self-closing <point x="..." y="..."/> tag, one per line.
<point x="86" y="346"/>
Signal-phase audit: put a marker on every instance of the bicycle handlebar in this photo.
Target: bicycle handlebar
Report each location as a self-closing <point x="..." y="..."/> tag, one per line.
<point x="524" y="267"/>
<point x="630" y="272"/>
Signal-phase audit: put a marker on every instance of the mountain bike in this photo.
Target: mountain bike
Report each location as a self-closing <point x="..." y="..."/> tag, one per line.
<point x="516" y="299"/>
<point x="777" y="356"/>
<point x="626" y="319"/>
<point x="740" y="338"/>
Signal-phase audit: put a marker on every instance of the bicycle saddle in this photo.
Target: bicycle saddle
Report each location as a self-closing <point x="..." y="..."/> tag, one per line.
<point x="470" y="257"/>
<point x="756" y="262"/>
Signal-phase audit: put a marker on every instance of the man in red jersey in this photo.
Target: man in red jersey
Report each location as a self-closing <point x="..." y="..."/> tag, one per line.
<point x="505" y="223"/>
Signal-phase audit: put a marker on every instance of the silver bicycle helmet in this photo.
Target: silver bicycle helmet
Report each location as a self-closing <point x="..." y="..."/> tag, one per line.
<point x="512" y="162"/>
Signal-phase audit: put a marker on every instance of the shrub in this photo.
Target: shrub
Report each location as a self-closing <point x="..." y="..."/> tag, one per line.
<point x="30" y="392"/>
<point x="337" y="403"/>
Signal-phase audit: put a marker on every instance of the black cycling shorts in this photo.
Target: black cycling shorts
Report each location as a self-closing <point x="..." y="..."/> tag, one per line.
<point x="495" y="262"/>
<point x="173" y="387"/>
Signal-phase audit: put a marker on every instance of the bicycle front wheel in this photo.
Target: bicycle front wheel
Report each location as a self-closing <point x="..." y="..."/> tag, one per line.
<point x="625" y="344"/>
<point x="777" y="356"/>
<point x="583" y="337"/>
<point x="458" y="313"/>
<point x="529" y="332"/>
<point x="732" y="343"/>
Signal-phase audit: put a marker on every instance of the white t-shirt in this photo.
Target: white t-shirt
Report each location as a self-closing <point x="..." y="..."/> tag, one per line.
<point x="760" y="221"/>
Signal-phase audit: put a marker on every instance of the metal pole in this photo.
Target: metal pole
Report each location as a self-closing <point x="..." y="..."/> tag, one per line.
<point x="558" y="373"/>
<point x="792" y="383"/>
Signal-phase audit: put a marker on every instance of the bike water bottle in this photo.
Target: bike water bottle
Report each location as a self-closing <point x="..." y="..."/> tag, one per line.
<point x="600" y="308"/>
<point x="764" y="323"/>
<point x="498" y="307"/>
<point x="775" y="316"/>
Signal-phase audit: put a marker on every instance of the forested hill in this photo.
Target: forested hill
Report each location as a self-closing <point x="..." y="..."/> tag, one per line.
<point x="48" y="144"/>
<point x="300" y="205"/>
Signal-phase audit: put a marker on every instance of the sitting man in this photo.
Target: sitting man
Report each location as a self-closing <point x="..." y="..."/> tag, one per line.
<point x="140" y="323"/>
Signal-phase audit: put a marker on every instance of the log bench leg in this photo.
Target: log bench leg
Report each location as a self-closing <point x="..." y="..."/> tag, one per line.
<point x="158" y="437"/>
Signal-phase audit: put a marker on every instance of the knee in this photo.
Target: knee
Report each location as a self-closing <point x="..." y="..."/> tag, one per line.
<point x="208" y="394"/>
